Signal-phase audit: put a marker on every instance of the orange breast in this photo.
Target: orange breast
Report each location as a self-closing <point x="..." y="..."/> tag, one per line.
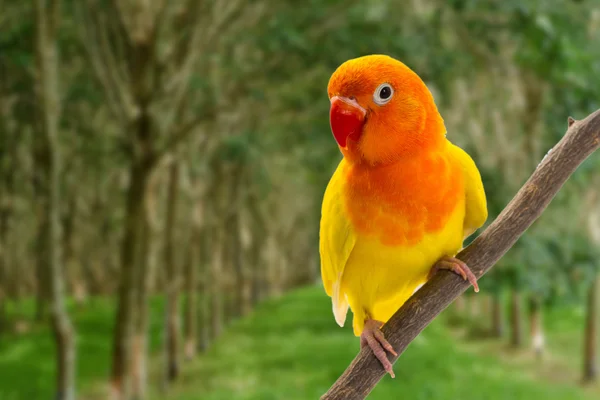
<point x="400" y="203"/>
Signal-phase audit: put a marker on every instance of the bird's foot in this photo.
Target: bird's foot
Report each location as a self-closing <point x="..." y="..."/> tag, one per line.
<point x="373" y="337"/>
<point x="458" y="267"/>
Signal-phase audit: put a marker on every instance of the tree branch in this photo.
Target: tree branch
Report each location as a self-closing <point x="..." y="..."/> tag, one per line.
<point x="182" y="132"/>
<point x="581" y="140"/>
<point x="94" y="30"/>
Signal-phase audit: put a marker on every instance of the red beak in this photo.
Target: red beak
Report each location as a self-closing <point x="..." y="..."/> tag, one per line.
<point x="347" y="118"/>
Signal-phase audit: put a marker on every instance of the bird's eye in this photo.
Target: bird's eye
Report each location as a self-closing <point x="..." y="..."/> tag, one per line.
<point x="383" y="94"/>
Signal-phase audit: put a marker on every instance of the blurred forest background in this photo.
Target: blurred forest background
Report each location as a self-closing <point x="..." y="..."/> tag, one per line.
<point x="162" y="165"/>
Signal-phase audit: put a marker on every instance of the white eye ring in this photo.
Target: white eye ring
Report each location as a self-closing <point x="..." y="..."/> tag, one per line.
<point x="383" y="94"/>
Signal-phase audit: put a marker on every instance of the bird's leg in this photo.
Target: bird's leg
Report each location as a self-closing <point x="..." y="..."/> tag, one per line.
<point x="373" y="337"/>
<point x="458" y="267"/>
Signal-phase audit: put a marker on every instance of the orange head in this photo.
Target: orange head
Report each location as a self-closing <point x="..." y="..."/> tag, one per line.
<point x="382" y="111"/>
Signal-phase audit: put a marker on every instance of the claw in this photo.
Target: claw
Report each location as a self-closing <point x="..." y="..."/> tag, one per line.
<point x="374" y="338"/>
<point x="458" y="267"/>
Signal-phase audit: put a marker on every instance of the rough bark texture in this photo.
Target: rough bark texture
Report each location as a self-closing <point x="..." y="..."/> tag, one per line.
<point x="516" y="326"/>
<point x="173" y="330"/>
<point x="48" y="98"/>
<point x="590" y="351"/>
<point x="582" y="139"/>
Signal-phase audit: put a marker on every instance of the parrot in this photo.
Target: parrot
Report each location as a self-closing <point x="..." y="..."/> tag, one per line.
<point x="401" y="201"/>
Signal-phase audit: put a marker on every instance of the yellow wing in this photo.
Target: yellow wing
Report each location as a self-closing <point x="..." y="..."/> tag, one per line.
<point x="476" y="206"/>
<point x="337" y="239"/>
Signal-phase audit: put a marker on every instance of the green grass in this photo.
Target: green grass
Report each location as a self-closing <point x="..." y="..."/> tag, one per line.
<point x="27" y="360"/>
<point x="290" y="348"/>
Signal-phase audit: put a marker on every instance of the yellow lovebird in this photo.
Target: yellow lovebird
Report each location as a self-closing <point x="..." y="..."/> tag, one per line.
<point x="401" y="201"/>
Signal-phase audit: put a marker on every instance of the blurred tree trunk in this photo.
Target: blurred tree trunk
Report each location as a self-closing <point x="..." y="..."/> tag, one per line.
<point x="146" y="261"/>
<point x="47" y="59"/>
<point x="135" y="226"/>
<point x="74" y="276"/>
<point x="487" y="305"/>
<point x="273" y="284"/>
<point x="497" y="316"/>
<point x="190" y="322"/>
<point x="132" y="258"/>
<point x="236" y="254"/>
<point x="215" y="285"/>
<point x="191" y="284"/>
<point x="535" y="325"/>
<point x="149" y="96"/>
<point x="590" y="351"/>
<point x="7" y="171"/>
<point x="516" y="326"/>
<point x="257" y="274"/>
<point x="139" y="367"/>
<point x="173" y="331"/>
<point x="460" y="305"/>
<point x="5" y="217"/>
<point x="204" y="316"/>
<point x="234" y="251"/>
<point x="474" y="302"/>
<point x="246" y="294"/>
<point x="41" y="275"/>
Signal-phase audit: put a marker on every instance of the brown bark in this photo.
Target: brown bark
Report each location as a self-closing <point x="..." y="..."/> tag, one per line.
<point x="590" y="350"/>
<point x="173" y="331"/>
<point x="497" y="316"/>
<point x="581" y="140"/>
<point x="516" y="325"/>
<point x="535" y="325"/>
<point x="48" y="99"/>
